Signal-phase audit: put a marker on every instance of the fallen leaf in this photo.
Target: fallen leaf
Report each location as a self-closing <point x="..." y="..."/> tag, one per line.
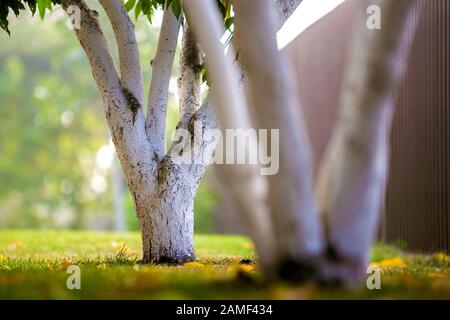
<point x="437" y="275"/>
<point x="64" y="264"/>
<point x="146" y="280"/>
<point x="247" y="268"/>
<point x="16" y="244"/>
<point x="118" y="244"/>
<point x="441" y="257"/>
<point x="389" y="263"/>
<point x="194" y="264"/>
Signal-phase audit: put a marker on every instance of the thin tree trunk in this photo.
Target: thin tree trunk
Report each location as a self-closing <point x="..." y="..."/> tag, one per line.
<point x="353" y="174"/>
<point x="293" y="214"/>
<point x="244" y="180"/>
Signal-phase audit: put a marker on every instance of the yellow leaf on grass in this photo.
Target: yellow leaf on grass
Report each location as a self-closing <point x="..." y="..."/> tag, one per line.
<point x="102" y="266"/>
<point x="118" y="244"/>
<point x="239" y="268"/>
<point x="250" y="245"/>
<point x="247" y="267"/>
<point x="441" y="257"/>
<point x="437" y="275"/>
<point x="389" y="263"/>
<point x="194" y="264"/>
<point x="147" y="280"/>
<point x="16" y="244"/>
<point x="64" y="264"/>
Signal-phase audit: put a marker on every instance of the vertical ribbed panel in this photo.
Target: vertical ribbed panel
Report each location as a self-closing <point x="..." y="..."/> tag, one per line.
<point x="417" y="197"/>
<point x="417" y="202"/>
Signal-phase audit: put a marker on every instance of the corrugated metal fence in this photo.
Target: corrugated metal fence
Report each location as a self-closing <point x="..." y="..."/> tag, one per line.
<point x="417" y="204"/>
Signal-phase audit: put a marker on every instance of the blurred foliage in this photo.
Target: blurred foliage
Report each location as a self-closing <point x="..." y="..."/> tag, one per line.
<point x="52" y="129"/>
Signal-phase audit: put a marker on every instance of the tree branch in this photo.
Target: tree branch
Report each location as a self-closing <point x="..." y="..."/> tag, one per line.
<point x="123" y="111"/>
<point x="130" y="65"/>
<point x="155" y="124"/>
<point x="94" y="44"/>
<point x="196" y="155"/>
<point x="189" y="83"/>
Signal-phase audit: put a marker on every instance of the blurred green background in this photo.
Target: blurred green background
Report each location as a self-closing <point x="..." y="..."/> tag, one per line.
<point x="58" y="168"/>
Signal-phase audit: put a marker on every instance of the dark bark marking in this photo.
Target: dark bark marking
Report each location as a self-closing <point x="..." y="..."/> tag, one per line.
<point x="132" y="102"/>
<point x="191" y="52"/>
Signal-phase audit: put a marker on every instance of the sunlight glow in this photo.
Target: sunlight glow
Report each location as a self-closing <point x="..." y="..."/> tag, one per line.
<point x="306" y="14"/>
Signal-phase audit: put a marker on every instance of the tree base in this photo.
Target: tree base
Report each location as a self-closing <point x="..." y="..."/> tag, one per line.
<point x="331" y="269"/>
<point x="171" y="260"/>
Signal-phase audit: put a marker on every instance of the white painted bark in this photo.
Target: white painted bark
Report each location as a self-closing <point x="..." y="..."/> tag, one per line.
<point x="247" y="185"/>
<point x="159" y="87"/>
<point x="162" y="191"/>
<point x="296" y="226"/>
<point x="353" y="173"/>
<point x="189" y="83"/>
<point x="130" y="64"/>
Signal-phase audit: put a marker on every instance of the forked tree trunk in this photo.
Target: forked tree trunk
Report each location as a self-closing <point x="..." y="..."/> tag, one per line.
<point x="163" y="190"/>
<point x="167" y="215"/>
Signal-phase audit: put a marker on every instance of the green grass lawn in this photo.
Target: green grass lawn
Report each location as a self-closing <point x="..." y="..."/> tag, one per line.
<point x="33" y="266"/>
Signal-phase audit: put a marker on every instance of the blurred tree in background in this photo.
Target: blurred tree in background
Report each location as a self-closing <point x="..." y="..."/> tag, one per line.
<point x="56" y="160"/>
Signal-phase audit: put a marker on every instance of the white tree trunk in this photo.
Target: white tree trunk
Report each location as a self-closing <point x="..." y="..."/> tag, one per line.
<point x="297" y="230"/>
<point x="353" y="173"/>
<point x="167" y="216"/>
<point x="244" y="180"/>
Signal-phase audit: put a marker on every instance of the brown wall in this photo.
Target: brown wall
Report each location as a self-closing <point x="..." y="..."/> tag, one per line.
<point x="417" y="202"/>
